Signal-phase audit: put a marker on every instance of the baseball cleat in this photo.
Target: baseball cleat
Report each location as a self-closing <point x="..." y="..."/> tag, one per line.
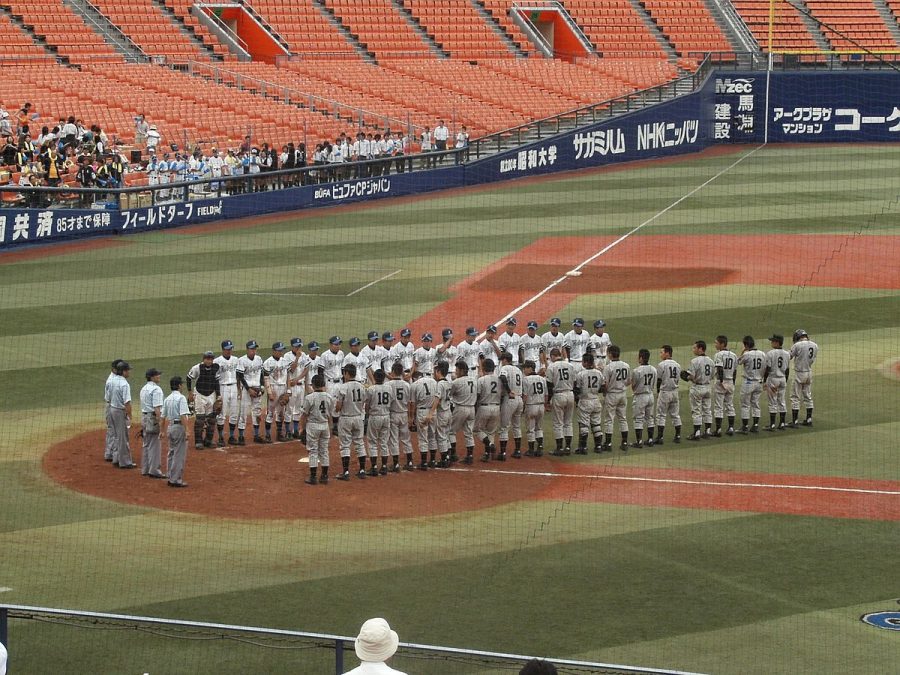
<point x="538" y="453"/>
<point x="344" y="476"/>
<point x="469" y="459"/>
<point x="717" y="433"/>
<point x="649" y="442"/>
<point x="808" y="423"/>
<point x="241" y="441"/>
<point x="693" y="437"/>
<point x="794" y="425"/>
<point x="395" y="468"/>
<point x="198" y="446"/>
<point x="771" y="427"/>
<point x="624" y="447"/>
<point x="454" y="459"/>
<point x="517" y="454"/>
<point x="432" y="464"/>
<point x="754" y="429"/>
<point x="486" y="457"/>
<point x="637" y="444"/>
<point x="502" y="457"/>
<point x="383" y="471"/>
<point x="220" y="443"/>
<point x="730" y="431"/>
<point x="744" y="431"/>
<point x="323" y="480"/>
<point x="410" y="466"/>
<point x="528" y="453"/>
<point x="207" y="444"/>
<point x="557" y="453"/>
<point x="312" y="480"/>
<point x="361" y="474"/>
<point x="677" y="439"/>
<point x="580" y="451"/>
<point x="567" y="451"/>
<point x="423" y="467"/>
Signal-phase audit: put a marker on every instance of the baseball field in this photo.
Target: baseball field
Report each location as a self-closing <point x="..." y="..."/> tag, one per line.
<point x="751" y="554"/>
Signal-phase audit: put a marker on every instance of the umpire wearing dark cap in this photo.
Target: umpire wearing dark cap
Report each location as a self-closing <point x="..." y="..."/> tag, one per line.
<point x="120" y="416"/>
<point x="175" y="412"/>
<point x="107" y="389"/>
<point x="151" y="412"/>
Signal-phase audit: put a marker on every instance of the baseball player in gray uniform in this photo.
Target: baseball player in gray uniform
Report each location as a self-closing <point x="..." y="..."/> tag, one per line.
<point x="512" y="404"/>
<point x="175" y="412"/>
<point x="470" y="351"/>
<point x="511" y="341"/>
<point x="378" y="413"/>
<point x="109" y="444"/>
<point x="463" y="396"/>
<point x="298" y="364"/>
<point x="588" y="389"/>
<point x="151" y="410"/>
<point x="700" y="375"/>
<point x="531" y="344"/>
<point x="229" y="393"/>
<point x="754" y="363"/>
<point x="315" y="426"/>
<point x="487" y="410"/>
<point x="577" y="341"/>
<point x="249" y="376"/>
<point x="442" y="413"/>
<point x="599" y="342"/>
<point x="400" y="415"/>
<point x="350" y="407"/>
<point x="275" y="378"/>
<point x="617" y="376"/>
<point x="120" y="416"/>
<point x="536" y="402"/>
<point x="560" y="388"/>
<point x="723" y="386"/>
<point x="804" y="352"/>
<point x="778" y="362"/>
<point x="643" y="384"/>
<point x="421" y="401"/>
<point x="668" y="375"/>
<point x="550" y="339"/>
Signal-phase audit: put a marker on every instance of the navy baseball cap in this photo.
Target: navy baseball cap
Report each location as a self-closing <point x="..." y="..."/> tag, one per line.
<point x="532" y="324"/>
<point x="447" y="332"/>
<point x="313" y="346"/>
<point x="427" y="337"/>
<point x="152" y="372"/>
<point x="578" y="321"/>
<point x="124" y="365"/>
<point x="406" y="332"/>
<point x="278" y="347"/>
<point x="556" y="321"/>
<point x="296" y="342"/>
<point x="388" y="337"/>
<point x="777" y="338"/>
<point x="511" y="321"/>
<point x="227" y="344"/>
<point x="599" y="323"/>
<point x="491" y="329"/>
<point x="335" y="340"/>
<point x="252" y="344"/>
<point x="471" y="331"/>
<point x="373" y="335"/>
<point x="354" y="341"/>
<point x="208" y="355"/>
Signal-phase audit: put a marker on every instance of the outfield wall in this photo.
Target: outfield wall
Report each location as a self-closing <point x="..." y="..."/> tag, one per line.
<point x="729" y="108"/>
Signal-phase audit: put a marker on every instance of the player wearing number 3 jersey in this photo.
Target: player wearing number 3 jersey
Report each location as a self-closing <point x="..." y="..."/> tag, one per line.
<point x="804" y="353"/>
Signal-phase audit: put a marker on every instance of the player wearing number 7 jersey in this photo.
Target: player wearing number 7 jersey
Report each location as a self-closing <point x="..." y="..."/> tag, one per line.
<point x="804" y="352"/>
<point x="723" y="388"/>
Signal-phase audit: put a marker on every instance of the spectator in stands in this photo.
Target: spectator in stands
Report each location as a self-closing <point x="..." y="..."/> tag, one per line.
<point x="69" y="132"/>
<point x="401" y="147"/>
<point x="375" y="644"/>
<point x="25" y="114"/>
<point x="153" y="138"/>
<point x="246" y="145"/>
<point x="43" y="136"/>
<point x="300" y="162"/>
<point x="141" y="128"/>
<point x="427" y="144"/>
<point x="538" y="667"/>
<point x="441" y="134"/>
<point x="9" y="151"/>
<point x="87" y="178"/>
<point x="5" y="125"/>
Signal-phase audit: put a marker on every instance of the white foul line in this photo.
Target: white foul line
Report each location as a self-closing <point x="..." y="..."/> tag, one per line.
<point x="372" y="283"/>
<point x="683" y="481"/>
<point x="625" y="236"/>
<point x="5" y="589"/>
<point x="323" y="295"/>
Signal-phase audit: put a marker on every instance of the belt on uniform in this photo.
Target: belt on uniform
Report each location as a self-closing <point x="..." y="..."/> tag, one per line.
<point x="177" y="422"/>
<point x="227" y="384"/>
<point x="424" y="407"/>
<point x="145" y="412"/>
<point x="334" y="381"/>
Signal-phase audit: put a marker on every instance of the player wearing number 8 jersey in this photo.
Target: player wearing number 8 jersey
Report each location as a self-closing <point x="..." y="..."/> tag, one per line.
<point x="775" y="376"/>
<point x="723" y="386"/>
<point x="804" y="352"/>
<point x="700" y="374"/>
<point x="753" y="362"/>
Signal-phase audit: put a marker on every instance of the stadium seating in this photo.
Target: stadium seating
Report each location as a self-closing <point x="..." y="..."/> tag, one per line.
<point x="381" y="28"/>
<point x="789" y="33"/>
<point x="182" y="9"/>
<point x="688" y="25"/>
<point x="857" y="24"/>
<point x="16" y="45"/>
<point x="500" y="10"/>
<point x="458" y="28"/>
<point x="615" y="28"/>
<point x="63" y="30"/>
<point x="307" y="31"/>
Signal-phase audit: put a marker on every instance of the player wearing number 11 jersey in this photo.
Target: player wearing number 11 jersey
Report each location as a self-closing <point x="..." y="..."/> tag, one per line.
<point x="350" y="406"/>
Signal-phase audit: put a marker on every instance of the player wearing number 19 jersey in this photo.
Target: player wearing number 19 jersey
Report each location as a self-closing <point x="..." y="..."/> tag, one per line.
<point x="723" y="387"/>
<point x="535" y="389"/>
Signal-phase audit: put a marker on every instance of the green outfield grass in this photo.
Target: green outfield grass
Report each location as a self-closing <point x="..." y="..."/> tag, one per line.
<point x="660" y="586"/>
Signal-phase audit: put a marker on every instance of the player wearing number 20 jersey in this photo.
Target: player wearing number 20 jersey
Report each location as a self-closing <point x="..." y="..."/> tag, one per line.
<point x="618" y="376"/>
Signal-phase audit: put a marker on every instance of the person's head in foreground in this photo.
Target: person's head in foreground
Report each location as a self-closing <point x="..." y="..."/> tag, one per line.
<point x="538" y="667"/>
<point x="375" y="644"/>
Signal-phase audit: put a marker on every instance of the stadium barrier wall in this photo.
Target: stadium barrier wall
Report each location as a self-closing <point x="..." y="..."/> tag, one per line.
<point x="730" y="107"/>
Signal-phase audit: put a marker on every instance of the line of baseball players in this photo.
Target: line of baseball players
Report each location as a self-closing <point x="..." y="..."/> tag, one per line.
<point x="376" y="394"/>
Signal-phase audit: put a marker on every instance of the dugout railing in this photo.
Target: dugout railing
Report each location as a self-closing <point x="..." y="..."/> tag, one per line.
<point x="281" y="639"/>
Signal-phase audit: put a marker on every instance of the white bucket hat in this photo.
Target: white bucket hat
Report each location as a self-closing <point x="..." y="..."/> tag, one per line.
<point x="376" y="641"/>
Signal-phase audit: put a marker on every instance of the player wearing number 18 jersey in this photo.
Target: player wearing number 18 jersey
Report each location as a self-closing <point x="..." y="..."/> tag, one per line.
<point x="378" y="409"/>
<point x="723" y="386"/>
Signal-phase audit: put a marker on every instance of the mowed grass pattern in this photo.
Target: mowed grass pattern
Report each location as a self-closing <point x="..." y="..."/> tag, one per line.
<point x="694" y="589"/>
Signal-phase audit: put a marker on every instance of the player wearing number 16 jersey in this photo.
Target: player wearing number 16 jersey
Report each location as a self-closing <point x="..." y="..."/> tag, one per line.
<point x="723" y="386"/>
<point x="754" y="362"/>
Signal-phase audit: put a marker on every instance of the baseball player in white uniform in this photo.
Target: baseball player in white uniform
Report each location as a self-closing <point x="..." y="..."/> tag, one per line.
<point x="463" y="396"/>
<point x="536" y="402"/>
<point x="350" y="402"/>
<point x="421" y="401"/>
<point x="599" y="342"/>
<point x="470" y="351"/>
<point x="804" y="352"/>
<point x="588" y="389"/>
<point x="424" y="357"/>
<point x="378" y="412"/>
<point x="577" y="341"/>
<point x="372" y="353"/>
<point x="249" y="376"/>
<point x="510" y="341"/>
<point x="617" y="376"/>
<point x="315" y="426"/>
<point x="487" y="411"/>
<point x="275" y="374"/>
<point x="643" y="384"/>
<point x="298" y="364"/>
<point x="446" y="351"/>
<point x="403" y="351"/>
<point x="331" y="361"/>
<point x="550" y="339"/>
<point x="229" y="392"/>
<point x="560" y="385"/>
<point x="356" y="357"/>
<point x="490" y="348"/>
<point x="512" y="404"/>
<point x="204" y="376"/>
<point x="400" y="415"/>
<point x="700" y="375"/>
<point x="531" y="344"/>
<point x="754" y="363"/>
<point x="668" y="375"/>
<point x="723" y="386"/>
<point x="778" y="362"/>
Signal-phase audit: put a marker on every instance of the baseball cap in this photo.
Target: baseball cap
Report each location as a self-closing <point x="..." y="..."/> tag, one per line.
<point x="335" y="340"/>
<point x="556" y="321"/>
<point x="427" y="337"/>
<point x="313" y="346"/>
<point x="296" y="342"/>
<point x="799" y="333"/>
<point x="388" y="337"/>
<point x="124" y="365"/>
<point x="152" y="372"/>
<point x="354" y="341"/>
<point x="373" y="335"/>
<point x="447" y="332"/>
<point x="491" y="329"/>
<point x="599" y="323"/>
<point x="777" y="338"/>
<point x="471" y="331"/>
<point x="406" y="332"/>
<point x="208" y="354"/>
<point x="115" y="363"/>
<point x="511" y="321"/>
<point x="278" y="347"/>
<point x="578" y="321"/>
<point x="252" y="344"/>
<point x="227" y="344"/>
<point x="532" y="324"/>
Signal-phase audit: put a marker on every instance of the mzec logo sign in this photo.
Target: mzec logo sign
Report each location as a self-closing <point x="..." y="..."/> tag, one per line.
<point x="738" y="85"/>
